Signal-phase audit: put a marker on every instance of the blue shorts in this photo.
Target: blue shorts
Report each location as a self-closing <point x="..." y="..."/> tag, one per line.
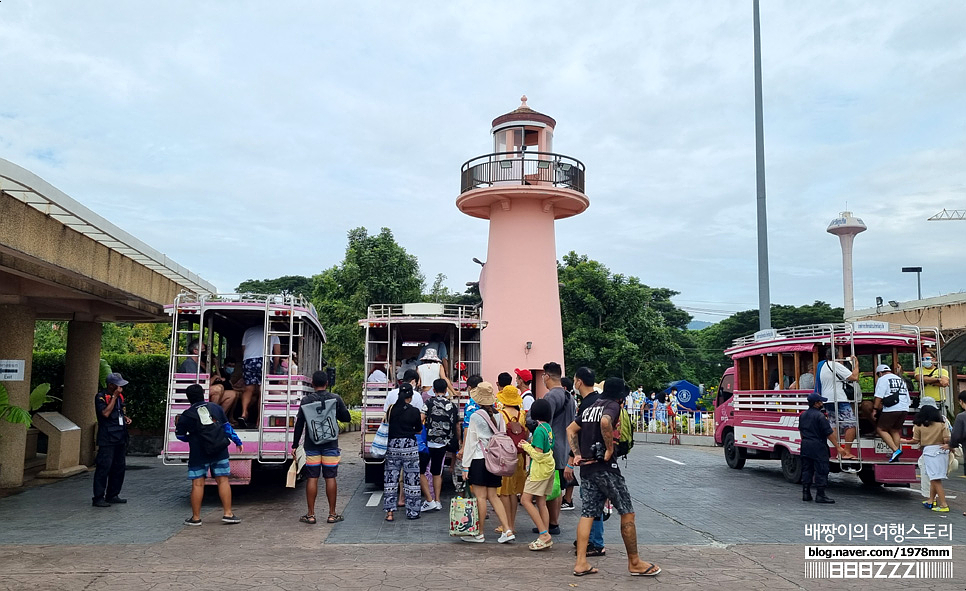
<point x="844" y="418"/>
<point x="219" y="468"/>
<point x="252" y="371"/>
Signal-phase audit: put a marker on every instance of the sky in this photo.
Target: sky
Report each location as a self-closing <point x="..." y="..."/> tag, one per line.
<point x="245" y="139"/>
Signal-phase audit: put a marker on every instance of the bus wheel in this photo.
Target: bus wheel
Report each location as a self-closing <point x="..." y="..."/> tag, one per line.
<point x="791" y="467"/>
<point x="867" y="476"/>
<point x="374" y="474"/>
<point x="734" y="455"/>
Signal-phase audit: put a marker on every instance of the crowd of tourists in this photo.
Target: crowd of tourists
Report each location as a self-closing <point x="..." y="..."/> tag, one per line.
<point x="550" y="437"/>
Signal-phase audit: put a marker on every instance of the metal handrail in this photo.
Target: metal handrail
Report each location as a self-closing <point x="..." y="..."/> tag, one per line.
<point x="454" y="311"/>
<point x="524" y="167"/>
<point x="821" y="330"/>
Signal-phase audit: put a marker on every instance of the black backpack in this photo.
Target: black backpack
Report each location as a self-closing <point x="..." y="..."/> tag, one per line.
<point x="212" y="434"/>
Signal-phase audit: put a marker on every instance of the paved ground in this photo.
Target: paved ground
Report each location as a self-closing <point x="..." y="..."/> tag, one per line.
<point x="706" y="525"/>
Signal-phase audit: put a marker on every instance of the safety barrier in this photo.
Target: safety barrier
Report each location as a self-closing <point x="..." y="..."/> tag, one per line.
<point x="683" y="422"/>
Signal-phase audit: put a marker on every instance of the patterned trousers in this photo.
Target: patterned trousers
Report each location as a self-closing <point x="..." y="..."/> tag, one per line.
<point x="402" y="456"/>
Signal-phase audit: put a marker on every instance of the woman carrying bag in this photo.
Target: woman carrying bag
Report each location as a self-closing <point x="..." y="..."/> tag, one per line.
<point x="402" y="455"/>
<point x="483" y="483"/>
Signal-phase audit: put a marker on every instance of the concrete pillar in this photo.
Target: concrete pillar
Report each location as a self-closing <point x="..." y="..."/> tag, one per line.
<point x="16" y="342"/>
<point x="81" y="372"/>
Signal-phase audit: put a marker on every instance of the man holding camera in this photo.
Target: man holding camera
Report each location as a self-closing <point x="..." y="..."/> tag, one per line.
<point x="592" y="437"/>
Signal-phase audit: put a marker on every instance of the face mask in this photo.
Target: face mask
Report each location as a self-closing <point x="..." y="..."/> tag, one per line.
<point x="927" y="363"/>
<point x="228" y="370"/>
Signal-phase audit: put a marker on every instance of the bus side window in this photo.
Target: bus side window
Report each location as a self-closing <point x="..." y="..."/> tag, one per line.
<point x="726" y="388"/>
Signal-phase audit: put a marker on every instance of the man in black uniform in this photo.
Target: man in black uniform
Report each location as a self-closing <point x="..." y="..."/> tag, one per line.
<point x="111" y="442"/>
<point x="815" y="430"/>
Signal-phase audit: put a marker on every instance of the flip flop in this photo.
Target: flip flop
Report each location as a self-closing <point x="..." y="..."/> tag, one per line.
<point x="652" y="570"/>
<point x="589" y="571"/>
<point x="335" y="518"/>
<point x="310" y="519"/>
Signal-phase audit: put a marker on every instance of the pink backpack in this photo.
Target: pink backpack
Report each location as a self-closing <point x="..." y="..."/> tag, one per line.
<point x="500" y="454"/>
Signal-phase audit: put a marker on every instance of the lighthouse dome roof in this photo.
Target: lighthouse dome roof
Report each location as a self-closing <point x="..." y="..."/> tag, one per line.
<point x="524" y="113"/>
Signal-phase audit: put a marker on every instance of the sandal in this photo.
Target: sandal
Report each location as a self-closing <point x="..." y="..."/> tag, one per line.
<point x="333" y="518"/>
<point x="389" y="516"/>
<point x="310" y="519"/>
<point x="539" y="544"/>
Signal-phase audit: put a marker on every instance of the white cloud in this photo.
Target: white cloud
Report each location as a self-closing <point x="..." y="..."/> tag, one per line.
<point x="245" y="139"/>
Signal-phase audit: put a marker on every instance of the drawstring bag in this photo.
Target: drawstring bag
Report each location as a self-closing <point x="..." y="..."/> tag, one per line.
<point x="555" y="491"/>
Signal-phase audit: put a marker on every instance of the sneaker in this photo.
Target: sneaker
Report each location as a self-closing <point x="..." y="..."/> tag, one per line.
<point x="927" y="504"/>
<point x="509" y="536"/>
<point x="941" y="509"/>
<point x="427" y="506"/>
<point x="895" y="455"/>
<point x="230" y="519"/>
<point x="439" y="505"/>
<point x="190" y="521"/>
<point x="100" y="503"/>
<point x="554" y="530"/>
<point x="474" y="539"/>
<point x="565" y="506"/>
<point x="116" y="501"/>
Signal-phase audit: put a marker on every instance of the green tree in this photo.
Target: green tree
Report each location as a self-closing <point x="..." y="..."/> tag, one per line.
<point x="441" y="294"/>
<point x="290" y="284"/>
<point x="707" y="354"/>
<point x="375" y="270"/>
<point x="617" y="325"/>
<point x="50" y="335"/>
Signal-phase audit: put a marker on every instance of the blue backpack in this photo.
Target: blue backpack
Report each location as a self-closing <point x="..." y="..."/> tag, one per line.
<point x="818" y="379"/>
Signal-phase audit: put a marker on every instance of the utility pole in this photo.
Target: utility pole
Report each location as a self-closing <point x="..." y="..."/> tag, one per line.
<point x="764" y="293"/>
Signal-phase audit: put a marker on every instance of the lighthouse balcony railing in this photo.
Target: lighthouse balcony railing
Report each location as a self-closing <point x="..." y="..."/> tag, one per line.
<point x="522" y="168"/>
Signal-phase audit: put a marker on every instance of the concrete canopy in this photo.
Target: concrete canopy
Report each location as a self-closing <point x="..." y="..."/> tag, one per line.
<point x="66" y="262"/>
<point x="61" y="261"/>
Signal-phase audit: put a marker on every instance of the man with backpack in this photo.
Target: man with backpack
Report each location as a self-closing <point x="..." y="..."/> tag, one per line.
<point x="207" y="431"/>
<point x="593" y="438"/>
<point x="584" y="384"/>
<point x="442" y="435"/>
<point x="318" y="416"/>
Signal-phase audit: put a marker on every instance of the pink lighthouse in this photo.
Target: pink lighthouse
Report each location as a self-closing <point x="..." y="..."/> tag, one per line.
<point x="522" y="187"/>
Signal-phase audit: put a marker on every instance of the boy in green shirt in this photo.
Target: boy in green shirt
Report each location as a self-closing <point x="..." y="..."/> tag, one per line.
<point x="542" y="469"/>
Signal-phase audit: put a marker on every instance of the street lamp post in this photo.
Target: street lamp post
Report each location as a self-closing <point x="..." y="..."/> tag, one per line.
<point x="918" y="272"/>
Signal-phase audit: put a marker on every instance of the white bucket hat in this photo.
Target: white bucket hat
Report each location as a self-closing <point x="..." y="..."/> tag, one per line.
<point x="431" y="355"/>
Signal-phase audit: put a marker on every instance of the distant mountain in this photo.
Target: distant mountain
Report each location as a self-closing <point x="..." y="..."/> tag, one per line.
<point x="698" y="324"/>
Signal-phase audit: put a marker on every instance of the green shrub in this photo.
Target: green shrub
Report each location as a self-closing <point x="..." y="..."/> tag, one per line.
<point x="145" y="396"/>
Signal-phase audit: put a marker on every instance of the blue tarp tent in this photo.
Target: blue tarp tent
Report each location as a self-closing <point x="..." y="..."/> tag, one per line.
<point x="688" y="393"/>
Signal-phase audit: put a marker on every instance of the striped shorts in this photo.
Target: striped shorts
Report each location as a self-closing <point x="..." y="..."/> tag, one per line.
<point x="218" y="468"/>
<point x="324" y="463"/>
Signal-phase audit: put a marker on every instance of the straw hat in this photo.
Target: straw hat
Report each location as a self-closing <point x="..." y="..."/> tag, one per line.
<point x="483" y="394"/>
<point x="509" y="396"/>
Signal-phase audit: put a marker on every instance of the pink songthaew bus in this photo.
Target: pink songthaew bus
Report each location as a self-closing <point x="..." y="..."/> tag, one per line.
<point x="286" y="337"/>
<point x="395" y="336"/>
<point x="759" y="399"/>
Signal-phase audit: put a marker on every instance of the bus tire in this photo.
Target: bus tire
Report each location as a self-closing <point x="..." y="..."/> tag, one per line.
<point x="791" y="466"/>
<point x="867" y="476"/>
<point x="734" y="455"/>
<point x="374" y="473"/>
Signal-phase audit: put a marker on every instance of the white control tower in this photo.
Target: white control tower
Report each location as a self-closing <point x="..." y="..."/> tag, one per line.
<point x="846" y="227"/>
